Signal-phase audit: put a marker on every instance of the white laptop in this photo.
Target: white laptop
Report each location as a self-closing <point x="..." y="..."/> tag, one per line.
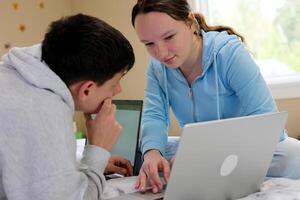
<point x="221" y="160"/>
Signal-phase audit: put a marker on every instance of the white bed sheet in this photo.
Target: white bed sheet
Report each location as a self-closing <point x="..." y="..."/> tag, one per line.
<point x="277" y="189"/>
<point x="272" y="189"/>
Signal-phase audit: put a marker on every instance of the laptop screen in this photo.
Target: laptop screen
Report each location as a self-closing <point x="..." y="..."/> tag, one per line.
<point x="128" y="114"/>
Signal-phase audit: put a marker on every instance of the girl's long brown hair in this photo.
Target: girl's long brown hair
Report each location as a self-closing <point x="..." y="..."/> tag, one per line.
<point x="178" y="10"/>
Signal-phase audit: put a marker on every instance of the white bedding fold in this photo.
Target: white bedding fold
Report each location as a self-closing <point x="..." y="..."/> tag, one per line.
<point x="277" y="189"/>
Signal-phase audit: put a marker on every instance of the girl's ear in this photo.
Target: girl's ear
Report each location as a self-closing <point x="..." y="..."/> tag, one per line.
<point x="191" y="20"/>
<point x="193" y="24"/>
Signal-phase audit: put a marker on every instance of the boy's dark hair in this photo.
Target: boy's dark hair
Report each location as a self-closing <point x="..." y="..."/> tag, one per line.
<point x="82" y="47"/>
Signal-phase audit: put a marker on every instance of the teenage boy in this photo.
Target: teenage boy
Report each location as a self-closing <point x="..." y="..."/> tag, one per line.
<point x="78" y="67"/>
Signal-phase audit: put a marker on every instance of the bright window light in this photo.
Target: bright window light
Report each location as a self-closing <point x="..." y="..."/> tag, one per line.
<point x="271" y="29"/>
<point x="272" y="33"/>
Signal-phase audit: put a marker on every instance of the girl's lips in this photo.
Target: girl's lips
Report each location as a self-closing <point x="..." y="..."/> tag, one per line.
<point x="169" y="59"/>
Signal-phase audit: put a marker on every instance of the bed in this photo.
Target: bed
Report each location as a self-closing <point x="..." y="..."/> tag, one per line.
<point x="272" y="189"/>
<point x="277" y="189"/>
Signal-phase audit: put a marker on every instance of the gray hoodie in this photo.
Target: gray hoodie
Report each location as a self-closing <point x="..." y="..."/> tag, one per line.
<point x="37" y="143"/>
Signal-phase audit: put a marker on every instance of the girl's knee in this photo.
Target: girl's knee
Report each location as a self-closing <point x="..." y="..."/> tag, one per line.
<point x="286" y="160"/>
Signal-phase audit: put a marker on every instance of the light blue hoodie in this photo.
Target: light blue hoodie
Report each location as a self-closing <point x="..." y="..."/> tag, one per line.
<point x="230" y="85"/>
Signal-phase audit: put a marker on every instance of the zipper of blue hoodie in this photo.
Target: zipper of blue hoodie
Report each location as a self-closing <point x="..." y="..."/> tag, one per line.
<point x="217" y="87"/>
<point x="193" y="102"/>
<point x="217" y="93"/>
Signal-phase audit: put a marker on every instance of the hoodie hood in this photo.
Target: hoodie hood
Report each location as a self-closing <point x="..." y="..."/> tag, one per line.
<point x="213" y="42"/>
<point x="27" y="62"/>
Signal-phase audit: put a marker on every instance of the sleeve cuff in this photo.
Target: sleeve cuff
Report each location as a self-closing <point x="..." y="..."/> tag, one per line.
<point x="95" y="157"/>
<point x="158" y="147"/>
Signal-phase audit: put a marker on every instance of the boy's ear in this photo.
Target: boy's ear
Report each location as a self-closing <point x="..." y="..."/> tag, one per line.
<point x="85" y="89"/>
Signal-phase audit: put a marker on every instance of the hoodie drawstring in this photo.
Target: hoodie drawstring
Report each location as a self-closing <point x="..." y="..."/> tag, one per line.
<point x="217" y="87"/>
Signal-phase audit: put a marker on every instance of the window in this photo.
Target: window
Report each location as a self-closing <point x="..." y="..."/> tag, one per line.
<point x="272" y="33"/>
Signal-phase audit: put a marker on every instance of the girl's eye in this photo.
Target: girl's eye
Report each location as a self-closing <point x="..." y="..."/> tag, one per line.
<point x="149" y="44"/>
<point x="169" y="37"/>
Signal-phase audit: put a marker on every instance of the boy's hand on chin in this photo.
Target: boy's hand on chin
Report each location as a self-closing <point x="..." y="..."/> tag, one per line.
<point x="104" y="129"/>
